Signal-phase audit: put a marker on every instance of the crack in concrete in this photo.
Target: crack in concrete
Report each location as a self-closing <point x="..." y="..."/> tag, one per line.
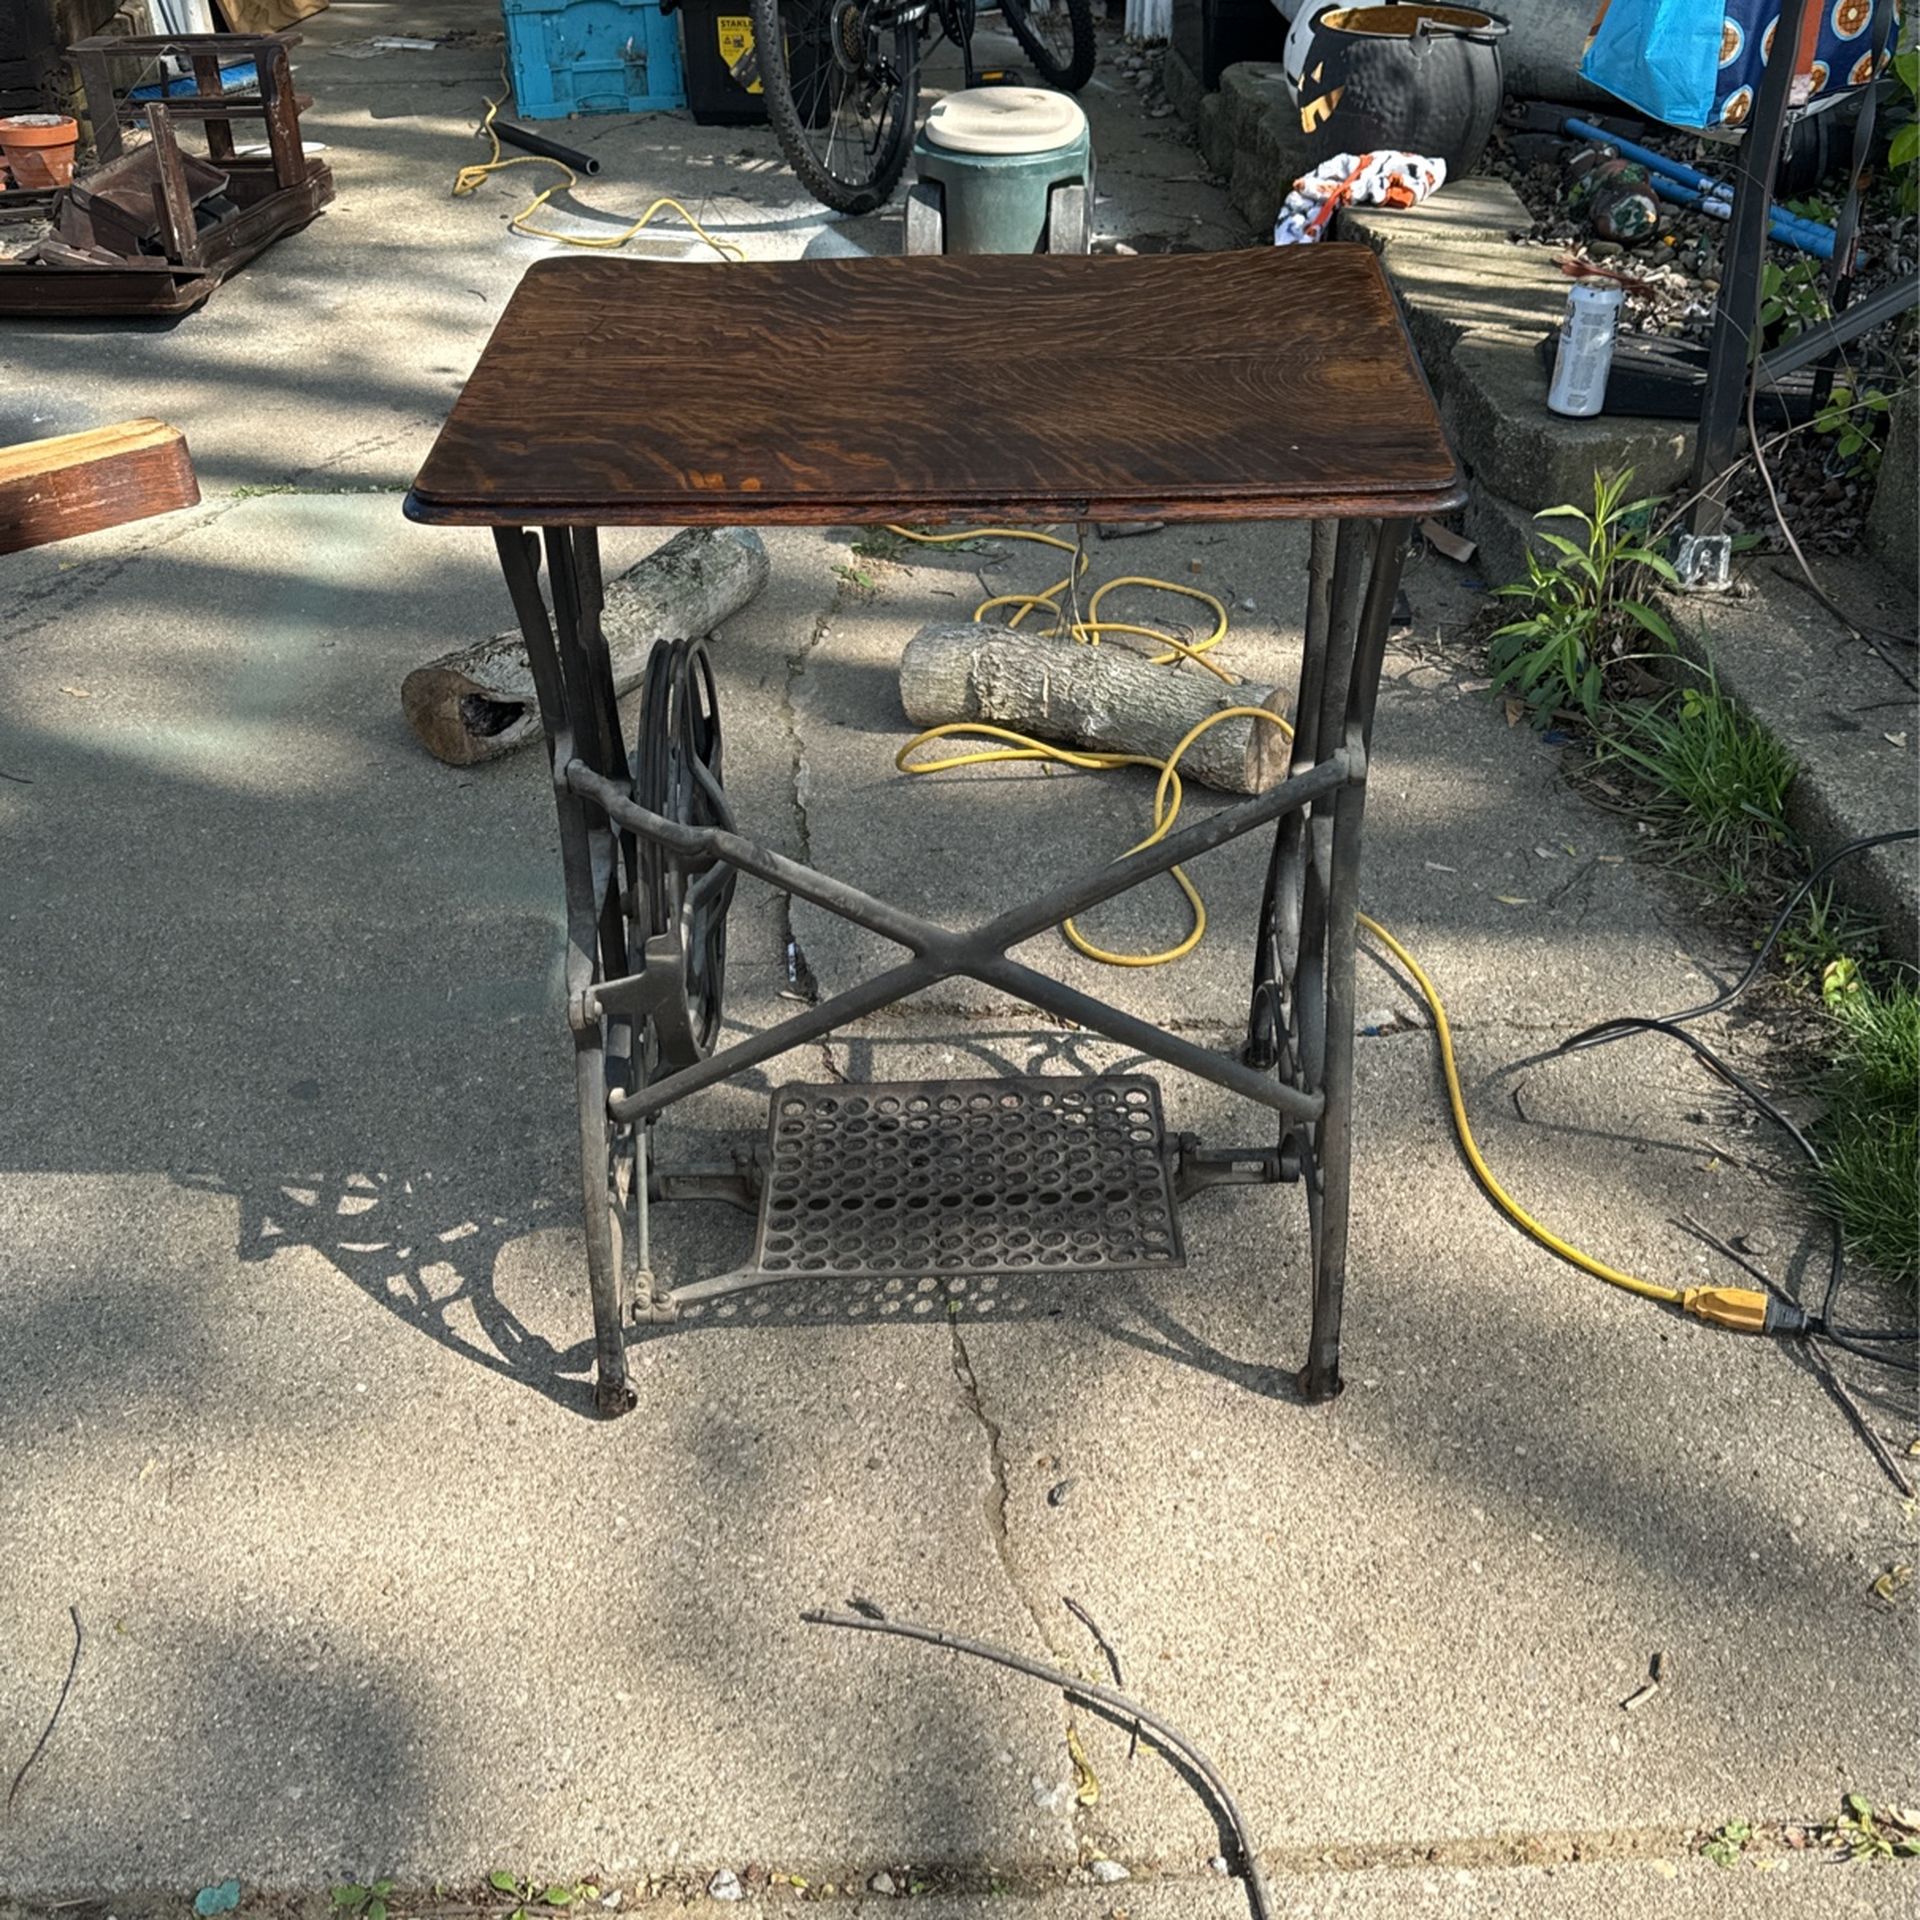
<point x="1491" y="1854"/>
<point x="70" y="590"/>
<point x="1030" y="1592"/>
<point x="999" y="1498"/>
<point x="82" y="581"/>
<point x="793" y="957"/>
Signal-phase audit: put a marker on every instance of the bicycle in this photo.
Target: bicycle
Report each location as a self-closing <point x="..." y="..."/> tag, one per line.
<point x="842" y="79"/>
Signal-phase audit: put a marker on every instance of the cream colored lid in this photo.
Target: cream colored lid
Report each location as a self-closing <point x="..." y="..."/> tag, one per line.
<point x="1005" y="120"/>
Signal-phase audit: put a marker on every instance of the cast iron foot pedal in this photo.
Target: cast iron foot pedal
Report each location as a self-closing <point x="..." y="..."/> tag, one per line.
<point x="921" y="1177"/>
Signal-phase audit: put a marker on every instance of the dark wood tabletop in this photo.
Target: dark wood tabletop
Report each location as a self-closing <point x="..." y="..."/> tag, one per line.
<point x="1275" y="383"/>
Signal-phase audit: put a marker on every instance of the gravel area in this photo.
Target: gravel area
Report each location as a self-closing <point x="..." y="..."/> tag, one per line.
<point x="1671" y="277"/>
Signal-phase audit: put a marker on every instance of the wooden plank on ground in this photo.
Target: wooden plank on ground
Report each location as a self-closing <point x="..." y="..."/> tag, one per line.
<point x="80" y="482"/>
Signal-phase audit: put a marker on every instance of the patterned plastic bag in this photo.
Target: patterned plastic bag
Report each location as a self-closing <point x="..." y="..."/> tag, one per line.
<point x="1694" y="64"/>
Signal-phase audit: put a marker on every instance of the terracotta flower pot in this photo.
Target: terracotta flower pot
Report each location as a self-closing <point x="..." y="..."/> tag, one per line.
<point x="39" y="148"/>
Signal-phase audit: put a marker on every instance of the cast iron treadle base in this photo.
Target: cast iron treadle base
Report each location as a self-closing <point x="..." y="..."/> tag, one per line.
<point x="921" y="1177"/>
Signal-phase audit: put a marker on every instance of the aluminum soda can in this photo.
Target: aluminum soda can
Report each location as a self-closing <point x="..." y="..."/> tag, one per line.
<point x="1585" y="353"/>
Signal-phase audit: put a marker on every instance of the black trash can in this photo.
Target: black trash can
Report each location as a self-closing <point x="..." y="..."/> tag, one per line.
<point x="722" y="67"/>
<point x="1212" y="35"/>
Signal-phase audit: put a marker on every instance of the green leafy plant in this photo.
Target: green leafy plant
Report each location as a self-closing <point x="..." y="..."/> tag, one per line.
<point x="1792" y="297"/>
<point x="1903" y="151"/>
<point x="1583" y="607"/>
<point x="1719" y="779"/>
<point x="1867" y="1835"/>
<point x="531" y="1897"/>
<point x="882" y="543"/>
<point x="1822" y="937"/>
<point x="363" y="1902"/>
<point x="1725" y="1847"/>
<point x="1855" y="422"/>
<point x="1869" y="1135"/>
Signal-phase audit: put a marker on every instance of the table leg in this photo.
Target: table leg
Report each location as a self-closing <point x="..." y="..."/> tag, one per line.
<point x="1346" y="716"/>
<point x="1302" y="1016"/>
<point x="581" y="718"/>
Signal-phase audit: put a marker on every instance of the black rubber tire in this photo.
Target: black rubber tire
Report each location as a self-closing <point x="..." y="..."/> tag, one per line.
<point x="678" y="773"/>
<point x="1046" y="62"/>
<point x="773" y="22"/>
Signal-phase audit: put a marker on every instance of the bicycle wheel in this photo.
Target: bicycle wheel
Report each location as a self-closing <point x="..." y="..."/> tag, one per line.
<point x="842" y="82"/>
<point x="1057" y="36"/>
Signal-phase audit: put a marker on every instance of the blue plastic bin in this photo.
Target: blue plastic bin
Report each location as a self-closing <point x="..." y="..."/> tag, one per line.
<point x="592" y="56"/>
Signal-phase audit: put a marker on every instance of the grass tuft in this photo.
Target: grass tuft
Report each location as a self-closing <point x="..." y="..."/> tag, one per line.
<point x="1719" y="780"/>
<point x="1870" y="1135"/>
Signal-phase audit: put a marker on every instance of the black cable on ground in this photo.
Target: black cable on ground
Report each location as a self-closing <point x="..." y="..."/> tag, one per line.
<point x="1596" y="1035"/>
<point x="1858" y="1341"/>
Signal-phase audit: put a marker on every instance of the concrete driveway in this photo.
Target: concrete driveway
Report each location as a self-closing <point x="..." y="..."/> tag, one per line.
<point x="293" y="1331"/>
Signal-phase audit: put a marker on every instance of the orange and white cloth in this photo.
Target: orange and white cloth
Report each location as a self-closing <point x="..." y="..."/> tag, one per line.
<point x="1369" y="179"/>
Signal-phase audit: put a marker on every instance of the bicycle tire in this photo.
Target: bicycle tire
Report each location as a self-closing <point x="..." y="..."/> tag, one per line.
<point x="782" y="28"/>
<point x="1068" y="75"/>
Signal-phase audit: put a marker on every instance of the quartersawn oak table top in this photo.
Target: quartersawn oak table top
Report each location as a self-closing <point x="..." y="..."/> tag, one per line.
<point x="1276" y="383"/>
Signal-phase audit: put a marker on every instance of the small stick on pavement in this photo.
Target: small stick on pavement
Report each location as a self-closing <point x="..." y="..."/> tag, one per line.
<point x="1856" y="1415"/>
<point x="59" y="1707"/>
<point x="1105" y="1645"/>
<point x="1638" y="1698"/>
<point x="1116" y="1703"/>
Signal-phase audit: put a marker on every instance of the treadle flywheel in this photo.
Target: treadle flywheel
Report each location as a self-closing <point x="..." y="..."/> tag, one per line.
<point x="924" y="1177"/>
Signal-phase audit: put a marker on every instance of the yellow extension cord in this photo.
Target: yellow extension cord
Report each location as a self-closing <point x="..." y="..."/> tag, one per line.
<point x="471" y="179"/>
<point x="1742" y="1309"/>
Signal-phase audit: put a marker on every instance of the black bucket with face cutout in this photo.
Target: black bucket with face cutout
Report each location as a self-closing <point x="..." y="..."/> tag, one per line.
<point x="1420" y="79"/>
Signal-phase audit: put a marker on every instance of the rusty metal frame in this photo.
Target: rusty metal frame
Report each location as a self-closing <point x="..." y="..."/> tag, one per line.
<point x="1298" y="1061"/>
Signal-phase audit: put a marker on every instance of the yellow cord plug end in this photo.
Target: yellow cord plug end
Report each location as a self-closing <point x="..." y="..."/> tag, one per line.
<point x="1743" y="1309"/>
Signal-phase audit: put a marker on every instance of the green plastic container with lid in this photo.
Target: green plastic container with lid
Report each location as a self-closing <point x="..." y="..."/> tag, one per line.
<point x="1002" y="170"/>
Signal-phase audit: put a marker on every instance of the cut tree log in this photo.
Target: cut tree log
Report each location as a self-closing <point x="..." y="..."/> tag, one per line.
<point x="478" y="702"/>
<point x="1107" y="698"/>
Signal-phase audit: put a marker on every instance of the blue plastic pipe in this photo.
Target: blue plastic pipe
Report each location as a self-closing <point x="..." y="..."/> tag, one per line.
<point x="1789" y="228"/>
<point x="1817" y="241"/>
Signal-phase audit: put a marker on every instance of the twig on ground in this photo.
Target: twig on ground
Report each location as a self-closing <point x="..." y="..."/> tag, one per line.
<point x="1638" y="1698"/>
<point x="59" y="1707"/>
<point x="1116" y="1703"/>
<point x="1676" y="511"/>
<point x="1793" y="546"/>
<point x="1823" y="1369"/>
<point x="1106" y="1646"/>
<point x="1856" y="1414"/>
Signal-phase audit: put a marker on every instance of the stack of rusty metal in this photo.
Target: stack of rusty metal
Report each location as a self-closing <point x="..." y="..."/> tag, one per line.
<point x="150" y="228"/>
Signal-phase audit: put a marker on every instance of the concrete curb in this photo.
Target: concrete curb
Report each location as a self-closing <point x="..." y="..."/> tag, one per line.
<point x="1477" y="306"/>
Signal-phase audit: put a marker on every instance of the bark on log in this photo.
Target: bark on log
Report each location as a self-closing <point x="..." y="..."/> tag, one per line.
<point x="1107" y="698"/>
<point x="478" y="702"/>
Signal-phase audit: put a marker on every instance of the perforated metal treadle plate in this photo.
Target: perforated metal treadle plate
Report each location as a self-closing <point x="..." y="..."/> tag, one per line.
<point x="920" y="1177"/>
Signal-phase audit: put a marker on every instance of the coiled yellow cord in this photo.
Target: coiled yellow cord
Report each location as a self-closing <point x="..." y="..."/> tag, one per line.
<point x="1735" y="1307"/>
<point x="1168" y="793"/>
<point x="469" y="179"/>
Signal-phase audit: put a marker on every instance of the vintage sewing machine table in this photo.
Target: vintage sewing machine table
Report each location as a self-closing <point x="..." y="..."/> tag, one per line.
<point x="1269" y="384"/>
